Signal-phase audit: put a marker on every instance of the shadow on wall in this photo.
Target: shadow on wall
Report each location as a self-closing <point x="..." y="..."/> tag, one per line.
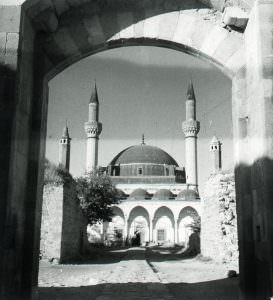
<point x="254" y="192"/>
<point x="9" y="220"/>
<point x="224" y="289"/>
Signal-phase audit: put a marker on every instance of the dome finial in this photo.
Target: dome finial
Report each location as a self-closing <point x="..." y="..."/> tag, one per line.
<point x="143" y="139"/>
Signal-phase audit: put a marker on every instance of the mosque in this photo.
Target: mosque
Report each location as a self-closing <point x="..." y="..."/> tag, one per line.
<point x="160" y="202"/>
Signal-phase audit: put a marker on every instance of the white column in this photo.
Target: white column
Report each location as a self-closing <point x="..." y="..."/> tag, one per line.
<point x="93" y="130"/>
<point x="125" y="231"/>
<point x="151" y="231"/>
<point x="154" y="234"/>
<point x="175" y="232"/>
<point x="191" y="160"/>
<point x="91" y="153"/>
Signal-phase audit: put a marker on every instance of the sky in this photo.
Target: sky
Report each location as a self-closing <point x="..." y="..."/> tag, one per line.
<point x="142" y="90"/>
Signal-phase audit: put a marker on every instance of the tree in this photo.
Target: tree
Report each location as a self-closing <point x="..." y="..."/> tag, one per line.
<point x="97" y="193"/>
<point x="55" y="175"/>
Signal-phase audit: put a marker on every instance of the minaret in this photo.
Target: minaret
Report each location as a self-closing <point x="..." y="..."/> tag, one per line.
<point x="93" y="129"/>
<point x="64" y="149"/>
<point x="191" y="128"/>
<point x="216" y="155"/>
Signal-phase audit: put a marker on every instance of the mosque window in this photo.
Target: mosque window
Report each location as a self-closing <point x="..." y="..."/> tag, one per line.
<point x="161" y="235"/>
<point x="139" y="171"/>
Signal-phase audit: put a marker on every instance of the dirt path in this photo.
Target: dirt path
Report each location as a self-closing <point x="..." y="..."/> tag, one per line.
<point x="130" y="276"/>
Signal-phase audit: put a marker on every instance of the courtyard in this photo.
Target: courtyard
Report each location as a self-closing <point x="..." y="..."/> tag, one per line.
<point x="137" y="273"/>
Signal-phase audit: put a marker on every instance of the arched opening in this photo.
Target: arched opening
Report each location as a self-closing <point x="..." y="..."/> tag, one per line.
<point x="58" y="45"/>
<point x="138" y="226"/>
<point x="164" y="231"/>
<point x="188" y="216"/>
<point x="163" y="226"/>
<point x="114" y="230"/>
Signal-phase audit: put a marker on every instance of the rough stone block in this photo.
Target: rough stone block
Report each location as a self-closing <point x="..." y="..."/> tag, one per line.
<point x="3" y="42"/>
<point x="218" y="222"/>
<point x="139" y="29"/>
<point x="10" y="18"/>
<point x="95" y="30"/>
<point x="201" y="30"/>
<point x="151" y="27"/>
<point x="213" y="40"/>
<point x="227" y="48"/>
<point x="125" y="21"/>
<point x="184" y="29"/>
<point x="167" y="25"/>
<point x="11" y="56"/>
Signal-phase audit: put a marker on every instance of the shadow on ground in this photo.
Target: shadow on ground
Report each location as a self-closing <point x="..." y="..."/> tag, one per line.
<point x="158" y="254"/>
<point x="224" y="289"/>
<point x="155" y="253"/>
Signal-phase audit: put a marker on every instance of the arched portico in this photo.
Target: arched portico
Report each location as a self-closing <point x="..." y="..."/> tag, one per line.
<point x="187" y="217"/>
<point x="117" y="225"/>
<point x="164" y="229"/>
<point x="64" y="32"/>
<point x="138" y="222"/>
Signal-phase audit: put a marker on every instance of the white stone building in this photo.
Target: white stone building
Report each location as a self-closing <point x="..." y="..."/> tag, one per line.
<point x="160" y="199"/>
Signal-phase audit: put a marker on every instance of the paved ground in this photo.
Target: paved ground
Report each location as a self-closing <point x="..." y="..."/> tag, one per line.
<point x="136" y="274"/>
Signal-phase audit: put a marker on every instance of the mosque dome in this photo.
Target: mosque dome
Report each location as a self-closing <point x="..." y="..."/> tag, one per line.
<point x="188" y="195"/>
<point x="143" y="154"/>
<point x="163" y="194"/>
<point x="139" y="194"/>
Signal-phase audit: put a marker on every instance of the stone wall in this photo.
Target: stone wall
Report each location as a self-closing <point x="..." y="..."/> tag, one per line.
<point x="219" y="220"/>
<point x="63" y="228"/>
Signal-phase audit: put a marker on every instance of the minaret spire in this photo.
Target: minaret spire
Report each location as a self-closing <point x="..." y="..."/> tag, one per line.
<point x="190" y="91"/>
<point x="64" y="149"/>
<point x="216" y="154"/>
<point x="94" y="96"/>
<point x="143" y="139"/>
<point x="191" y="128"/>
<point x="93" y="129"/>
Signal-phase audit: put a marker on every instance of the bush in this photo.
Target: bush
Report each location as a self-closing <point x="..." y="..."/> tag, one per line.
<point x="97" y="193"/>
<point x="55" y="175"/>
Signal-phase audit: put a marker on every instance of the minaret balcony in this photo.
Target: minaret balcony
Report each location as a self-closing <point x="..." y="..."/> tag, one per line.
<point x="93" y="129"/>
<point x="191" y="127"/>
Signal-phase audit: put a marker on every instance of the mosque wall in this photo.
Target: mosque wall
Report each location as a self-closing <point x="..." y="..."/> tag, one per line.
<point x="63" y="229"/>
<point x="219" y="220"/>
<point x="146" y="170"/>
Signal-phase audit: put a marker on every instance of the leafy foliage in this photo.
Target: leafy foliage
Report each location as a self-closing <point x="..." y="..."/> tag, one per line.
<point x="55" y="175"/>
<point x="97" y="193"/>
<point x="196" y="225"/>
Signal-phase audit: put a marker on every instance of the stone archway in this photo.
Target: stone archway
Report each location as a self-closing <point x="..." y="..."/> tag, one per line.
<point x="116" y="227"/>
<point x="186" y="219"/>
<point x="138" y="224"/>
<point x="164" y="230"/>
<point x="41" y="38"/>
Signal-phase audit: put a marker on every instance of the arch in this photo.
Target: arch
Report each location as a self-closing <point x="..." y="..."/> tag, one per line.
<point x="164" y="225"/>
<point x="27" y="105"/>
<point x="138" y="224"/>
<point x="186" y="219"/>
<point x="137" y="210"/>
<point x="188" y="211"/>
<point x="117" y="211"/>
<point x="186" y="26"/>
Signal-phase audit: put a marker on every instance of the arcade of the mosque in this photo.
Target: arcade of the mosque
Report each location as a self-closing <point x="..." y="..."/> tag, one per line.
<point x="159" y="203"/>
